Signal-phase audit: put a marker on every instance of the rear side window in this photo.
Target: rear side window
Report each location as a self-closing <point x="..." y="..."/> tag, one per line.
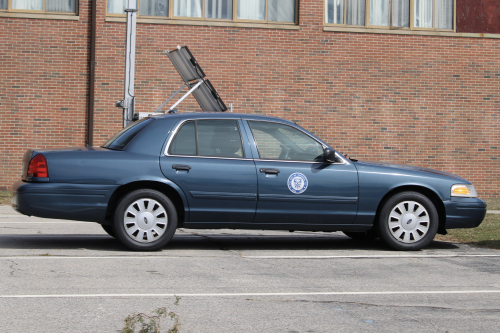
<point x="207" y="137"/>
<point x="185" y="141"/>
<point x="120" y="140"/>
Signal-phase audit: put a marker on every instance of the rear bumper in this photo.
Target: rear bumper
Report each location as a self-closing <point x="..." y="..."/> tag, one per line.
<point x="464" y="212"/>
<point x="80" y="202"/>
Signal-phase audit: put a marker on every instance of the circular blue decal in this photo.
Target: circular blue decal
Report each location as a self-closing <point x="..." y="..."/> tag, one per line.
<point x="297" y="183"/>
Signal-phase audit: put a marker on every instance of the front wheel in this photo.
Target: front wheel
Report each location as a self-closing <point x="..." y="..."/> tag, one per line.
<point x="145" y="220"/>
<point x="408" y="221"/>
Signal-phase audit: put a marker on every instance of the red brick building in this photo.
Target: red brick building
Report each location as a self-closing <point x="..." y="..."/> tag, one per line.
<point x="406" y="81"/>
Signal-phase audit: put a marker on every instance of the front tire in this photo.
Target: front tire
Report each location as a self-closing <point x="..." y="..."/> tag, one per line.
<point x="408" y="221"/>
<point x="145" y="220"/>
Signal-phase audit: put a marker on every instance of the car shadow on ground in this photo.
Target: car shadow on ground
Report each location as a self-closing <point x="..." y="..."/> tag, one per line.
<point x="204" y="242"/>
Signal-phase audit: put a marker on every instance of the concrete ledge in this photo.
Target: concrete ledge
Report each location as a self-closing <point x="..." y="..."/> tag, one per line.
<point x="43" y="16"/>
<point x="409" y="32"/>
<point x="207" y="23"/>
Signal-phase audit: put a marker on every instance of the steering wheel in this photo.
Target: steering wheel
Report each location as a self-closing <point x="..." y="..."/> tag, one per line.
<point x="285" y="152"/>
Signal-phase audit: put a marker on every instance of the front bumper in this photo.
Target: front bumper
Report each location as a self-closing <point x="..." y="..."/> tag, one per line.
<point x="80" y="202"/>
<point x="464" y="212"/>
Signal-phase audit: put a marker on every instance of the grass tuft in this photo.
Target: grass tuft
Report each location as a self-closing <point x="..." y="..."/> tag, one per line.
<point x="5" y="196"/>
<point x="486" y="235"/>
<point x="493" y="204"/>
<point x="143" y="323"/>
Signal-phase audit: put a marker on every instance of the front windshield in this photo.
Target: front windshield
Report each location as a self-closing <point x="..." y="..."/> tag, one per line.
<point x="122" y="138"/>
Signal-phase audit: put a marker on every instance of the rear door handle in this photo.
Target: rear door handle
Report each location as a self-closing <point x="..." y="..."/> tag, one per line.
<point x="269" y="171"/>
<point x="181" y="167"/>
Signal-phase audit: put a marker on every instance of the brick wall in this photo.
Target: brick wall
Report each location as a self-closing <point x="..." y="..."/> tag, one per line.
<point x="43" y="87"/>
<point x="426" y="101"/>
<point x="420" y="100"/>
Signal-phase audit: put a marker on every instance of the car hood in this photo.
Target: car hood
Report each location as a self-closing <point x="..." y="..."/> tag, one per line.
<point x="409" y="168"/>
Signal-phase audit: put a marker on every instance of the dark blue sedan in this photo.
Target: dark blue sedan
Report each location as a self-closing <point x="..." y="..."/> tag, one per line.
<point x="239" y="171"/>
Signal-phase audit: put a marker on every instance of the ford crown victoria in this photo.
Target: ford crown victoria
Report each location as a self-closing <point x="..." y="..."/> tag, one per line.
<point x="239" y="171"/>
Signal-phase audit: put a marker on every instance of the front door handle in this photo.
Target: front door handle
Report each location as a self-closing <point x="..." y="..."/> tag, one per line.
<point x="269" y="171"/>
<point x="181" y="167"/>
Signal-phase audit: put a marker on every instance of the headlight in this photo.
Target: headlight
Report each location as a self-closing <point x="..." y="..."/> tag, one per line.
<point x="462" y="190"/>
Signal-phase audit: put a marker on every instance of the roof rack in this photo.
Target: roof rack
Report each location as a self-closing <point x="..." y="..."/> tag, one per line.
<point x="194" y="79"/>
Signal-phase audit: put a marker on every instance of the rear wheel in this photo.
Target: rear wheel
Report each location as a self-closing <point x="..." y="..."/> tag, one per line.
<point x="145" y="220"/>
<point x="408" y="221"/>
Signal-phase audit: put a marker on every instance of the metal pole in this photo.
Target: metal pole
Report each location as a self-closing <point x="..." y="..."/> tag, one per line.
<point x="169" y="99"/>
<point x="186" y="95"/>
<point x="129" y="100"/>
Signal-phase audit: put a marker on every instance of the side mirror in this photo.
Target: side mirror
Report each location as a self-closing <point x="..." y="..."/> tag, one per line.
<point x="329" y="156"/>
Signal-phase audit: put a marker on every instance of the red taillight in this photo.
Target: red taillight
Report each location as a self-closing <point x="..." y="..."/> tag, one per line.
<point x="38" y="167"/>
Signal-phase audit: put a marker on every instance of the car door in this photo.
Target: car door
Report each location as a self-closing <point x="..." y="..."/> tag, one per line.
<point x="207" y="159"/>
<point x="295" y="185"/>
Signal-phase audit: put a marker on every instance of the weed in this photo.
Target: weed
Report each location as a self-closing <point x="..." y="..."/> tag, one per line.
<point x="5" y="196"/>
<point x="142" y="323"/>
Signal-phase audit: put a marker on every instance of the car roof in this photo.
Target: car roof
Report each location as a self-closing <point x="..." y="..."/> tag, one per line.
<point x="226" y="115"/>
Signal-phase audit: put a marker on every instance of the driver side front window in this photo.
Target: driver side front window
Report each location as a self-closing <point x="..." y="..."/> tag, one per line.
<point x="282" y="142"/>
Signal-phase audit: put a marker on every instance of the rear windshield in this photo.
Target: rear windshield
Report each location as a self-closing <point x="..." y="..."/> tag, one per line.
<point x="120" y="140"/>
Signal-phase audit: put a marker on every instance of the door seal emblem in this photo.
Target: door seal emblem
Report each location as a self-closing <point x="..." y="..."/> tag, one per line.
<point x="297" y="183"/>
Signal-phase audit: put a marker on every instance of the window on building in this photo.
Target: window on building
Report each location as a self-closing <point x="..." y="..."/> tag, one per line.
<point x="234" y="10"/>
<point x="395" y="14"/>
<point x="39" y="6"/>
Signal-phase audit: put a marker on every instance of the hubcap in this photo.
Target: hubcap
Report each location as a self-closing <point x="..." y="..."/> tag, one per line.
<point x="145" y="220"/>
<point x="409" y="222"/>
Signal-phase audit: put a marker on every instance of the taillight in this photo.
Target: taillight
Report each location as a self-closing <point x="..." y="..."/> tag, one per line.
<point x="38" y="167"/>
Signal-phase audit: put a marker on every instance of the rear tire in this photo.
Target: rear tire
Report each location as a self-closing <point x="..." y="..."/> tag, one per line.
<point x="145" y="220"/>
<point x="408" y="221"/>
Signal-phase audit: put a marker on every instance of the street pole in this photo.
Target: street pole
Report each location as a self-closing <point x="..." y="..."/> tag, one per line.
<point x="128" y="102"/>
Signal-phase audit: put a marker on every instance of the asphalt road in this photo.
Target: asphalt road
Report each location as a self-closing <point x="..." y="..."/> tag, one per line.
<point x="63" y="276"/>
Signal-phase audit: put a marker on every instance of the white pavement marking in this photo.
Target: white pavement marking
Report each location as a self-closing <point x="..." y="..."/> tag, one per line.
<point x="368" y="256"/>
<point x="48" y="257"/>
<point x="334" y="293"/>
<point x="69" y="222"/>
<point x="493" y="211"/>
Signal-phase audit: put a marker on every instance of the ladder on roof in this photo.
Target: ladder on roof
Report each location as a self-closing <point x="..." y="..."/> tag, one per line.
<point x="194" y="79"/>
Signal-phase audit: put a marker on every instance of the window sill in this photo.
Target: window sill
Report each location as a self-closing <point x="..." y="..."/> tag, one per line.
<point x="409" y="32"/>
<point x="43" y="16"/>
<point x="207" y="23"/>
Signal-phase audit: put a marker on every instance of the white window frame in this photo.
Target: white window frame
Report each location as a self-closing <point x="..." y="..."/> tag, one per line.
<point x="171" y="17"/>
<point x="390" y="27"/>
<point x="28" y="12"/>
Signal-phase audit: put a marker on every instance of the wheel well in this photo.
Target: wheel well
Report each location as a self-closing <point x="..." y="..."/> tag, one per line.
<point x="436" y="200"/>
<point x="160" y="187"/>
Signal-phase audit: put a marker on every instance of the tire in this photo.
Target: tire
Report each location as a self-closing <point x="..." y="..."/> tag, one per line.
<point x="145" y="220"/>
<point x="408" y="221"/>
<point x="362" y="235"/>
<point x="109" y="230"/>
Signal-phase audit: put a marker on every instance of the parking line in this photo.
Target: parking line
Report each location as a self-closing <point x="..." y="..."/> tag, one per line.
<point x="375" y="256"/>
<point x="395" y="256"/>
<point x="68" y="222"/>
<point x="333" y="293"/>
